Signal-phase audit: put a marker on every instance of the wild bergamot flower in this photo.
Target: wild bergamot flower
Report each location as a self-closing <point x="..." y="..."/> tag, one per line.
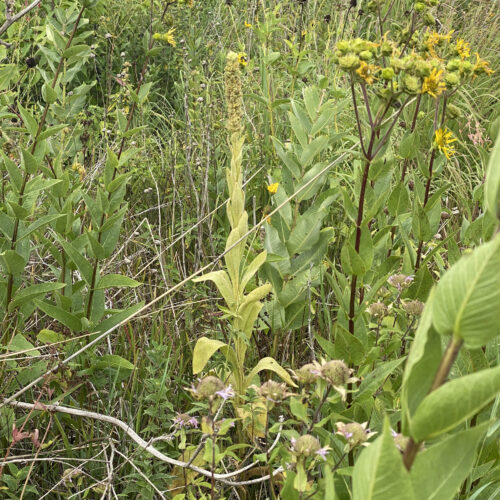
<point x="433" y="84"/>
<point x="443" y="137"/>
<point x="273" y="188"/>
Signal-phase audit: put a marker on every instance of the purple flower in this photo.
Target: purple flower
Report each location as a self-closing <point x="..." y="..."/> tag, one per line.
<point x="226" y="393"/>
<point x="322" y="452"/>
<point x="185" y="420"/>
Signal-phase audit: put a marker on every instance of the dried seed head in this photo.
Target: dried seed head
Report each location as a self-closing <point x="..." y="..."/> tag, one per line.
<point x="306" y="446"/>
<point x="377" y="309"/>
<point x="307" y="374"/>
<point x="413" y="307"/>
<point x="208" y="387"/>
<point x="335" y="372"/>
<point x="274" y="391"/>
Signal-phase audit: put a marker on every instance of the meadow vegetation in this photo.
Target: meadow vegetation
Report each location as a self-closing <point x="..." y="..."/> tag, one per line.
<point x="250" y="249"/>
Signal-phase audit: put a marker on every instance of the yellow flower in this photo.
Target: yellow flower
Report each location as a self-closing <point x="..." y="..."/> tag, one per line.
<point x="463" y="48"/>
<point x="435" y="39"/>
<point x="247" y="25"/>
<point x="169" y="37"/>
<point x="443" y="137"/>
<point x="482" y="66"/>
<point x="242" y="58"/>
<point x="433" y="84"/>
<point x="273" y="188"/>
<point x="366" y="72"/>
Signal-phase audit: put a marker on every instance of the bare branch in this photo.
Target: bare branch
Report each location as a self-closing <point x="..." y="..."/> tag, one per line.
<point x="224" y="478"/>
<point x="10" y="19"/>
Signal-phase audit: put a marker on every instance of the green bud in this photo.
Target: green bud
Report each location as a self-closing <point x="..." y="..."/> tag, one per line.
<point x="386" y="49"/>
<point x="453" y="111"/>
<point x="387" y="73"/>
<point x="412" y="84"/>
<point x="453" y="65"/>
<point x="343" y="46"/>
<point x="349" y="62"/>
<point x="466" y="67"/>
<point x="429" y="19"/>
<point x="419" y="7"/>
<point x="421" y="115"/>
<point x="452" y="79"/>
<point x="423" y="68"/>
<point x="365" y="55"/>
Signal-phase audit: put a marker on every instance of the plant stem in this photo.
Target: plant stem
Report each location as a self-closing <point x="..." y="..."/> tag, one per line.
<point x="442" y="373"/>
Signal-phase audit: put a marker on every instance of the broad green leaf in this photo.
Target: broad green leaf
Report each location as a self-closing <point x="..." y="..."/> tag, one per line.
<point x="221" y="280"/>
<point x="40" y="222"/>
<point x="48" y="93"/>
<point x="49" y="337"/>
<point x="113" y="361"/>
<point x="420" y="224"/>
<point x="312" y="102"/>
<point x="12" y="262"/>
<point x="271" y="365"/>
<point x="15" y="173"/>
<point x="83" y="265"/>
<point x="373" y="380"/>
<point x="257" y="294"/>
<point x="398" y="200"/>
<point x="29" y="122"/>
<point x="252" y="268"/>
<point x="379" y="473"/>
<point x="298" y="130"/>
<point x="313" y="255"/>
<point x="111" y="165"/>
<point x="116" y="280"/>
<point x="30" y="163"/>
<point x="310" y="151"/>
<point x="19" y="344"/>
<point x="467" y="301"/>
<point x="203" y="351"/>
<point x="96" y="247"/>
<point x="438" y="471"/>
<point x="492" y="184"/>
<point x="347" y="347"/>
<point x="306" y="233"/>
<point x="453" y="403"/>
<point x="26" y="294"/>
<point x="67" y="319"/>
<point x="114" y="319"/>
<point x="423" y="362"/>
<point x="144" y="91"/>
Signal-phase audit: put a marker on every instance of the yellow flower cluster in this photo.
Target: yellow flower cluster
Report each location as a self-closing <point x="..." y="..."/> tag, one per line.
<point x="442" y="138"/>
<point x="166" y="37"/>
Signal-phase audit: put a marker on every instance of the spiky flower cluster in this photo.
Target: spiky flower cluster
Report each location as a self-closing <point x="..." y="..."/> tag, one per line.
<point x="234" y="95"/>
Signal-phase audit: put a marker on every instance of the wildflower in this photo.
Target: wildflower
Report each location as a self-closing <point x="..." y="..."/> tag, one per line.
<point x="377" y="309"/>
<point x="273" y="188"/>
<point x="234" y="94"/>
<point x="433" y="84"/>
<point x="463" y="48"/>
<point x="226" y="393"/>
<point x="399" y="440"/>
<point x="185" y="420"/>
<point x="274" y="391"/>
<point x="335" y="372"/>
<point x="322" y="452"/>
<point x="366" y="72"/>
<point x="413" y="307"/>
<point x="354" y="433"/>
<point x="443" y="137"/>
<point x="169" y="37"/>
<point x="307" y="374"/>
<point x="208" y="387"/>
<point x="400" y="281"/>
<point x="482" y="66"/>
<point x="247" y="25"/>
<point x="306" y="445"/>
<point x="350" y="61"/>
<point x="242" y="58"/>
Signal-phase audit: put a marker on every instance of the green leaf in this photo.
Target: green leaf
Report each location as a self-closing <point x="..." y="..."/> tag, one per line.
<point x="42" y="221"/>
<point x="312" y="102"/>
<point x="19" y="344"/>
<point x="114" y="319"/>
<point x="252" y="268"/>
<point x="116" y="281"/>
<point x="12" y="262"/>
<point x="379" y="473"/>
<point x="222" y="282"/>
<point x="422" y="364"/>
<point x="111" y="166"/>
<point x="374" y="379"/>
<point x="347" y="347"/>
<point x="67" y="319"/>
<point x="14" y="171"/>
<point x="397" y="203"/>
<point x="409" y="145"/>
<point x="82" y="264"/>
<point x="113" y="361"/>
<point x="312" y="150"/>
<point x="49" y="337"/>
<point x="29" y="122"/>
<point x="467" y="301"/>
<point x="144" y="91"/>
<point x="48" y="93"/>
<point x="420" y="224"/>
<point x="492" y="184"/>
<point x="299" y="410"/>
<point x="203" y="351"/>
<point x="49" y="132"/>
<point x="271" y="365"/>
<point x="453" y="403"/>
<point x="438" y="472"/>
<point x="306" y="233"/>
<point x="26" y="294"/>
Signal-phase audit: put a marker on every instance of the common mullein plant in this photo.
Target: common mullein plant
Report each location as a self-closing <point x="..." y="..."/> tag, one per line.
<point x="242" y="296"/>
